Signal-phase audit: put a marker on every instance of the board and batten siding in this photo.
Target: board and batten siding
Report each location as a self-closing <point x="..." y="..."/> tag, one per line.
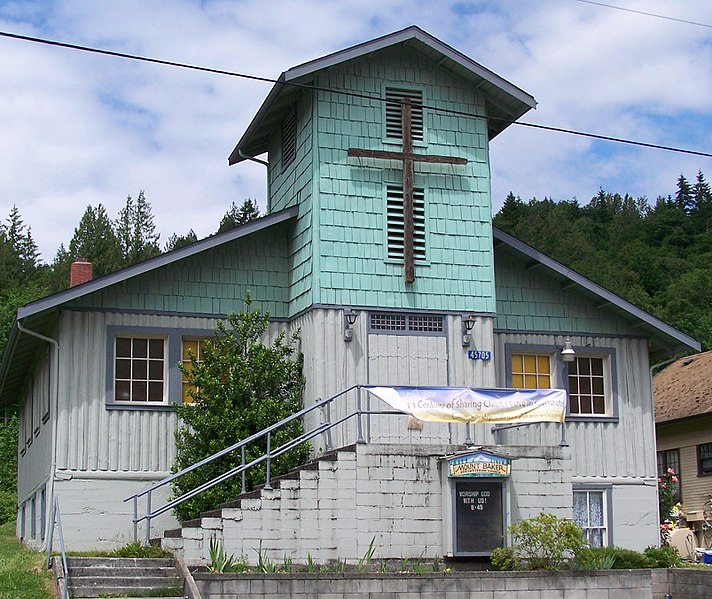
<point x="91" y="437"/>
<point x="621" y="449"/>
<point x="332" y="365"/>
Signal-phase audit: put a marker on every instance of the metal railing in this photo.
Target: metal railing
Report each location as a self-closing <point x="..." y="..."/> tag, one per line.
<point x="57" y="521"/>
<point x="324" y="428"/>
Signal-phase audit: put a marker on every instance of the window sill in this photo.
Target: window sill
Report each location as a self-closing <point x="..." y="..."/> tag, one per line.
<point x="136" y="407"/>
<point x="590" y="418"/>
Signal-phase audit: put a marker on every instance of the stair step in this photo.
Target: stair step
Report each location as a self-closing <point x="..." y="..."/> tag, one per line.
<point x="119" y="572"/>
<point x="120" y="562"/>
<point x="137" y="581"/>
<point x="116" y="592"/>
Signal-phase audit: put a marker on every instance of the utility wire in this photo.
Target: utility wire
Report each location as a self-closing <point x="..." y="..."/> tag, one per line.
<point x="647" y="14"/>
<point x="181" y="65"/>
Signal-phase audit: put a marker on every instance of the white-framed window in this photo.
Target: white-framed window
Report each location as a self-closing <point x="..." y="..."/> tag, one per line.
<point x="591" y="515"/>
<point x="139" y="369"/>
<point x="590" y="386"/>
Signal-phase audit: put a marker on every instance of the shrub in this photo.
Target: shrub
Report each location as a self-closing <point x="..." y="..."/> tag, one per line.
<point x="542" y="543"/>
<point x="610" y="558"/>
<point x="663" y="557"/>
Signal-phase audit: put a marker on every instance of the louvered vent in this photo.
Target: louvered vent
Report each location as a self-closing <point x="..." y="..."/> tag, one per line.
<point x="289" y="139"/>
<point x="394" y="118"/>
<point x="396" y="223"/>
<point x="390" y="322"/>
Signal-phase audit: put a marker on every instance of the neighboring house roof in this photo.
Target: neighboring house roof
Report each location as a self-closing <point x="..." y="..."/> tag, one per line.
<point x="505" y="101"/>
<point x="684" y="388"/>
<point x="665" y="339"/>
<point x="40" y="316"/>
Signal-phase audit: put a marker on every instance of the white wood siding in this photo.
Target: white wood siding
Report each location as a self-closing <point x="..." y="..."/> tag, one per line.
<point x="91" y="437"/>
<point x="599" y="449"/>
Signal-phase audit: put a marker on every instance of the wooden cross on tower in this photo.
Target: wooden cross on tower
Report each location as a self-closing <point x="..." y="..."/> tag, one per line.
<point x="407" y="157"/>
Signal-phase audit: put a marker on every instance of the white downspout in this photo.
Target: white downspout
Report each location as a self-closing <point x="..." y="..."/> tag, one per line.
<point x="49" y="497"/>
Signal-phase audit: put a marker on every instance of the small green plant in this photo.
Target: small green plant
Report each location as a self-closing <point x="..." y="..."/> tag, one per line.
<point x="311" y="566"/>
<point x="383" y="566"/>
<point x="340" y="566"/>
<point x="545" y="542"/>
<point x="364" y="562"/>
<point x="264" y="564"/>
<point x="419" y="567"/>
<point x="220" y="561"/>
<point x="436" y="564"/>
<point x="287" y="564"/>
<point x="136" y="549"/>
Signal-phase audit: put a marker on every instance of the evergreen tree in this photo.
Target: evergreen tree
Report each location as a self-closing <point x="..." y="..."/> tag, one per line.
<point x="95" y="240"/>
<point x="701" y="210"/>
<point x="684" y="195"/>
<point x="178" y="241"/>
<point x="136" y="231"/>
<point x="236" y="217"/>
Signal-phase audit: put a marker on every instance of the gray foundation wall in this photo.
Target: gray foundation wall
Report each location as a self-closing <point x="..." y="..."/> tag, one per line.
<point x="611" y="584"/>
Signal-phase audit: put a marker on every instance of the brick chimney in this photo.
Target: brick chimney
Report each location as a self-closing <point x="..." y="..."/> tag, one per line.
<point x="81" y="272"/>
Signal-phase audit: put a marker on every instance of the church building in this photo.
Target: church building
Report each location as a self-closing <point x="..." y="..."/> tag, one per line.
<point x="378" y="245"/>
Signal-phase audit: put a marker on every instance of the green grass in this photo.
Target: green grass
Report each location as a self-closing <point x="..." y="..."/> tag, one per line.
<point x="22" y="572"/>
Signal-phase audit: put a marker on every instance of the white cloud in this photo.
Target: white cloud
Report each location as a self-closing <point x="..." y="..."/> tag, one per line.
<point x="81" y="129"/>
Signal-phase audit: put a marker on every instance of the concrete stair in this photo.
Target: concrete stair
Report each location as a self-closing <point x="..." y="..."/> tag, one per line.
<point x="119" y="577"/>
<point x="329" y="509"/>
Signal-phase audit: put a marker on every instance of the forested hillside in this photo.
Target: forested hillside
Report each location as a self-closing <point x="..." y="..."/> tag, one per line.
<point x="658" y="256"/>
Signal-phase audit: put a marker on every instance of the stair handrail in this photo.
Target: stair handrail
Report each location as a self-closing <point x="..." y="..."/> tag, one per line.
<point x="57" y="521"/>
<point x="267" y="457"/>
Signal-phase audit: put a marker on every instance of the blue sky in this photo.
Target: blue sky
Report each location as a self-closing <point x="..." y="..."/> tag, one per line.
<point x="80" y="129"/>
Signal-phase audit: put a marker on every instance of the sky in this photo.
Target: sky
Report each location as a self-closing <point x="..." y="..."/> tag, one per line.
<point x="79" y="129"/>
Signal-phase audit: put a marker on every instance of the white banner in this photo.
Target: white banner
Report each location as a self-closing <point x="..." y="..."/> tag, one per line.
<point x="464" y="404"/>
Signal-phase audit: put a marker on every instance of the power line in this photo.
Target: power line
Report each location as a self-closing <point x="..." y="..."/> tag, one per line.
<point x="181" y="65"/>
<point x="647" y="14"/>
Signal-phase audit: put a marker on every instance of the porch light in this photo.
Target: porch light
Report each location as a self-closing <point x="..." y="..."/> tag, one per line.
<point x="468" y="323"/>
<point x="350" y="316"/>
<point x="568" y="354"/>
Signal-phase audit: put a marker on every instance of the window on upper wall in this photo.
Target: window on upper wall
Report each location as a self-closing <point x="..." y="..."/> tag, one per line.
<point x="194" y="347"/>
<point x="704" y="459"/>
<point x="139" y="369"/>
<point x="396" y="223"/>
<point x="590" y="386"/>
<point x="289" y="138"/>
<point x="669" y="459"/>
<point x="531" y="371"/>
<point x="394" y="115"/>
<point x="591" y="515"/>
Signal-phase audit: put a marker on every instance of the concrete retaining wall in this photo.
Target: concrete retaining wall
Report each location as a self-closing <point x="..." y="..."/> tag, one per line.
<point x="611" y="584"/>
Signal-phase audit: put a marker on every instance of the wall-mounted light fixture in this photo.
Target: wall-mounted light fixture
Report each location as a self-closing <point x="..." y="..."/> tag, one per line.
<point x="350" y="316"/>
<point x="567" y="353"/>
<point x="468" y="323"/>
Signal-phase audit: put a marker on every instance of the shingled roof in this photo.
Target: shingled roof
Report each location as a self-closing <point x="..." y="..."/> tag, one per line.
<point x="684" y="388"/>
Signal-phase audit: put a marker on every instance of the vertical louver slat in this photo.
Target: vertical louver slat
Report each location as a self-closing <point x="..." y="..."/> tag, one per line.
<point x="394" y="123"/>
<point x="289" y="139"/>
<point x="396" y="223"/>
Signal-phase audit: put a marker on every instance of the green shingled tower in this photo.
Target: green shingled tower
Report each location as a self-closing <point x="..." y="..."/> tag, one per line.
<point x="334" y="133"/>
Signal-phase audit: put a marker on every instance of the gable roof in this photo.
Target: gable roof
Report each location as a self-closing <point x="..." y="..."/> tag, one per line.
<point x="665" y="339"/>
<point x="505" y="102"/>
<point x="40" y="316"/>
<point x="684" y="388"/>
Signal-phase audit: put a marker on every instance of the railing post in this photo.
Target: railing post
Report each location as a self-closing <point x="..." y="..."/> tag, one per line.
<point x="359" y="423"/>
<point x="135" y="518"/>
<point x="328" y="422"/>
<point x="269" y="460"/>
<point x="148" y="518"/>
<point x="244" y="482"/>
